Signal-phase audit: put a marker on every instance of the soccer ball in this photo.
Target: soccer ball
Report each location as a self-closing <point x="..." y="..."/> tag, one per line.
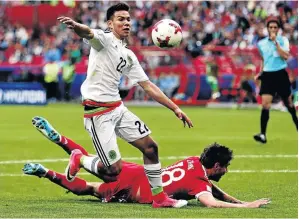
<point x="167" y="34"/>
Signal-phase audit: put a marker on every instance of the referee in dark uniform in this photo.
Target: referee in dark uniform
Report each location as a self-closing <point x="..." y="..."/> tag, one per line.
<point x="274" y="77"/>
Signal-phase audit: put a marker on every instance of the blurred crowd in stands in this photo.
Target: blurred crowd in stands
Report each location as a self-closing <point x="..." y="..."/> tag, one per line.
<point x="237" y="24"/>
<point x="231" y="23"/>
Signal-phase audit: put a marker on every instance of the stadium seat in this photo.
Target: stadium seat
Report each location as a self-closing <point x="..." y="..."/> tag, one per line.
<point x="224" y="64"/>
<point x="37" y="60"/>
<point x="226" y="81"/>
<point x="199" y="65"/>
<point x="296" y="71"/>
<point x="80" y="67"/>
<point x="205" y="91"/>
<point x="226" y="85"/>
<point x="163" y="69"/>
<point x="192" y="85"/>
<point x="78" y="80"/>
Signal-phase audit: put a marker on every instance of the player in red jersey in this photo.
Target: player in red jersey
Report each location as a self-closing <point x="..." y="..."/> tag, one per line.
<point x="187" y="179"/>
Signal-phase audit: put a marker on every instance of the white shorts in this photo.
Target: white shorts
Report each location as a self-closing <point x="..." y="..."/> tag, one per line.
<point x="103" y="130"/>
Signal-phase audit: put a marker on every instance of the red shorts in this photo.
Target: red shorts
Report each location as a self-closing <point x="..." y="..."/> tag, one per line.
<point x="132" y="186"/>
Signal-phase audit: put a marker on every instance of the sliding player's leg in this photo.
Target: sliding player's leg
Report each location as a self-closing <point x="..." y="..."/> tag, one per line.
<point x="118" y="191"/>
<point x="44" y="127"/>
<point x="78" y="186"/>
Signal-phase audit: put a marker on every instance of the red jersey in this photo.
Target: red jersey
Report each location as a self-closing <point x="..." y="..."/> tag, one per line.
<point x="122" y="190"/>
<point x="185" y="179"/>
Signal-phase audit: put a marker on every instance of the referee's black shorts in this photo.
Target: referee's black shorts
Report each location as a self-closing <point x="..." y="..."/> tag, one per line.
<point x="276" y="82"/>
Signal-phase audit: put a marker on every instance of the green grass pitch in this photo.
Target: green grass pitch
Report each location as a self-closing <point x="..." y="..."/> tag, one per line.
<point x="269" y="173"/>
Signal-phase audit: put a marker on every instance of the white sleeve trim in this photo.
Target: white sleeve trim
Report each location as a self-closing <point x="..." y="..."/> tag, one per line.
<point x="201" y="193"/>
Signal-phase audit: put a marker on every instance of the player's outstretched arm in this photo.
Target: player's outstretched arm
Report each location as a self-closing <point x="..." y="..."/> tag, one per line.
<point x="154" y="92"/>
<point x="80" y="29"/>
<point x="209" y="201"/>
<point x="223" y="196"/>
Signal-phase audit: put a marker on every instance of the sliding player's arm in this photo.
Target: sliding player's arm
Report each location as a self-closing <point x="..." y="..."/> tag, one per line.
<point x="208" y="200"/>
<point x="221" y="195"/>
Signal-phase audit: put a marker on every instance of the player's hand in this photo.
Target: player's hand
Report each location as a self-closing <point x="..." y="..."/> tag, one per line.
<point x="272" y="36"/>
<point x="182" y="116"/>
<point x="70" y="23"/>
<point x="258" y="203"/>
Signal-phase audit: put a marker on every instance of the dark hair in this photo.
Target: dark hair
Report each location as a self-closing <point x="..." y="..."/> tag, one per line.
<point x="117" y="7"/>
<point x="216" y="153"/>
<point x="272" y="19"/>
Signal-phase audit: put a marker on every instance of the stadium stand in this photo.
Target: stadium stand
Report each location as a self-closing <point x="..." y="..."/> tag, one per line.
<point x="218" y="33"/>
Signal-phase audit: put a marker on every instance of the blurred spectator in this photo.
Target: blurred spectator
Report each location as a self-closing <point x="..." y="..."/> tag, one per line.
<point x="21" y="34"/>
<point x="20" y="54"/>
<point x="68" y="74"/>
<point x="52" y="54"/>
<point x="36" y="48"/>
<point x="51" y="70"/>
<point x="75" y="53"/>
<point x="212" y="75"/>
<point x="219" y="23"/>
<point x="204" y="23"/>
<point x="247" y="92"/>
<point x="168" y="83"/>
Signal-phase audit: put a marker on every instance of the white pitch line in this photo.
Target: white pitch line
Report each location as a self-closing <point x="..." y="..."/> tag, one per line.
<point x="230" y="171"/>
<point x="34" y="161"/>
<point x="177" y="137"/>
<point x="267" y="156"/>
<point x="53" y="160"/>
<point x="263" y="171"/>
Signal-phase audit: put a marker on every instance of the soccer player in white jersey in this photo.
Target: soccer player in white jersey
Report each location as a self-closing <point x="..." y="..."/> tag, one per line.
<point x="105" y="116"/>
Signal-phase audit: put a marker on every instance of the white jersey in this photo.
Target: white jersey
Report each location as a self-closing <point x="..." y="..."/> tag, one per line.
<point x="109" y="59"/>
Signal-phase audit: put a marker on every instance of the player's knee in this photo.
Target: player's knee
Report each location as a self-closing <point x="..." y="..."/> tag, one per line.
<point x="108" y="179"/>
<point x="266" y="105"/>
<point x="114" y="169"/>
<point x="151" y="149"/>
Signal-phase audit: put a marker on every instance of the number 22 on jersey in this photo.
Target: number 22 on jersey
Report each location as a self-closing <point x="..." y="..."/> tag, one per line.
<point x="121" y="65"/>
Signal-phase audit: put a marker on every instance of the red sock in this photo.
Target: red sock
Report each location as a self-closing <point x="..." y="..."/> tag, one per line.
<point x="160" y="197"/>
<point x="68" y="145"/>
<point x="78" y="186"/>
